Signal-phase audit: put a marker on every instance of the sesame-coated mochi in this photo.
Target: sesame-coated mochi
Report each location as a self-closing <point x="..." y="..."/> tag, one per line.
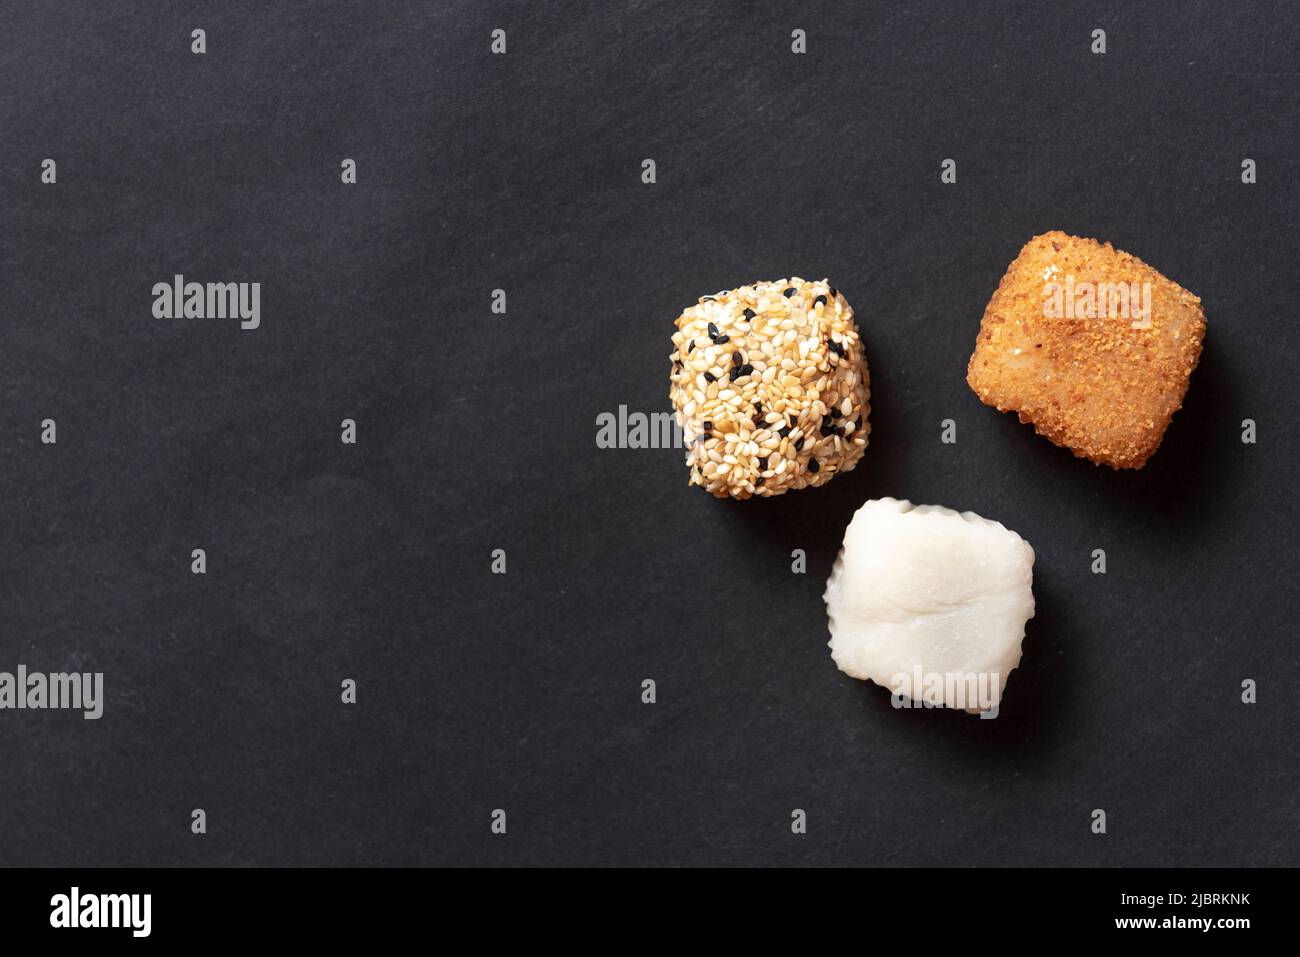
<point x="770" y="387"/>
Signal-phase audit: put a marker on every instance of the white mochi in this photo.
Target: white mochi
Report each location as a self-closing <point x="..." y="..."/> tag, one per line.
<point x="930" y="603"/>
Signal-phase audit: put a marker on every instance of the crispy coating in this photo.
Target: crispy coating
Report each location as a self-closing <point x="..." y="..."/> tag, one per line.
<point x="1060" y="346"/>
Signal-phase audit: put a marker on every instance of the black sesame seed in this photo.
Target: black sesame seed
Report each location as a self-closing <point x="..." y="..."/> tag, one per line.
<point x="713" y="331"/>
<point x="758" y="409"/>
<point x="690" y="347"/>
<point x="734" y="374"/>
<point x="710" y="377"/>
<point x="721" y="339"/>
<point x="783" y="431"/>
<point x="835" y="413"/>
<point x="708" y="426"/>
<point x="762" y="464"/>
<point x="819" y="301"/>
<point x="737" y="358"/>
<point x="789" y="292"/>
<point x="758" y="481"/>
<point x="813" y="466"/>
<point x="827" y="429"/>
<point x="746" y="369"/>
<point x="750" y="314"/>
<point x="836" y="348"/>
<point x="798" y="444"/>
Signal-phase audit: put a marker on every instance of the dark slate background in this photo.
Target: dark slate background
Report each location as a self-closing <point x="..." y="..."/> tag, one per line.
<point x="477" y="432"/>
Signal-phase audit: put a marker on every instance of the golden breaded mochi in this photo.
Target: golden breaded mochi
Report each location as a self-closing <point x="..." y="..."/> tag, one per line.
<point x="770" y="387"/>
<point x="1089" y="345"/>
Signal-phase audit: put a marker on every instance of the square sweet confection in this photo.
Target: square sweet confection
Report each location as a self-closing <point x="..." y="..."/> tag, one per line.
<point x="771" y="388"/>
<point x="1089" y="345"/>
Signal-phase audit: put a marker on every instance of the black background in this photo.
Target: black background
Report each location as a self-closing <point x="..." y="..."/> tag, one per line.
<point x="476" y="431"/>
